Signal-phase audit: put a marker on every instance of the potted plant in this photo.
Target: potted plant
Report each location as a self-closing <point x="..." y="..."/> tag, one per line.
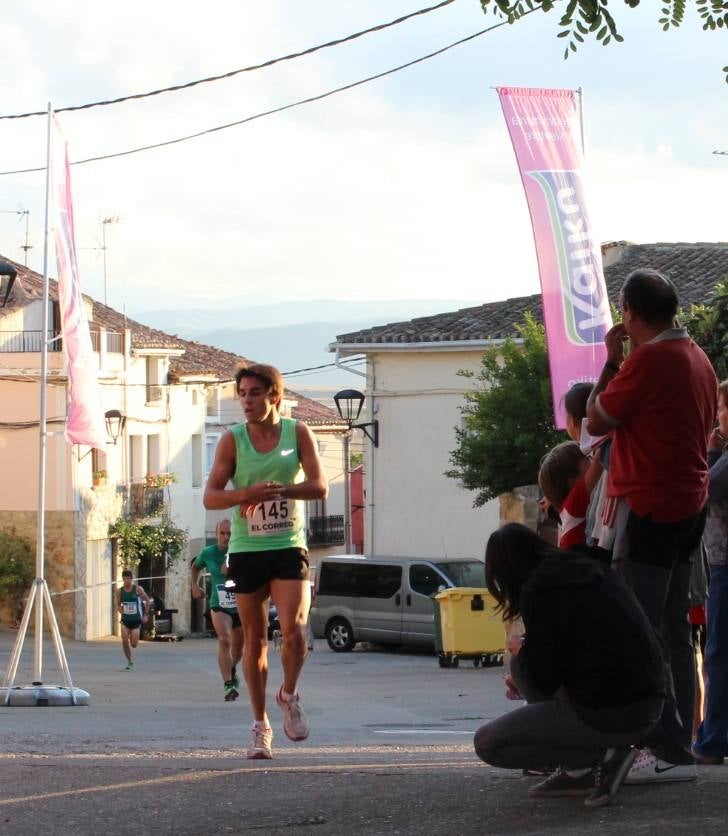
<point x="98" y="477"/>
<point x="159" y="480"/>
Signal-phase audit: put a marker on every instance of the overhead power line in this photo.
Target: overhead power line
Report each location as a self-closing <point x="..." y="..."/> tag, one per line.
<point x="300" y="102"/>
<point x="378" y="28"/>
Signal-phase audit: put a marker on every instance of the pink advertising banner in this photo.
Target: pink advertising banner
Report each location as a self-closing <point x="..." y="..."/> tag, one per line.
<point x="85" y="422"/>
<point x="544" y="130"/>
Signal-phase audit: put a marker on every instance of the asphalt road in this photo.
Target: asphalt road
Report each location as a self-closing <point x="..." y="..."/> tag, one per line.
<point x="157" y="751"/>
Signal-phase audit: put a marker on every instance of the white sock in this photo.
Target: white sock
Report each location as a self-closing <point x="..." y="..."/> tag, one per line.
<point x="262" y="724"/>
<point x="287" y="697"/>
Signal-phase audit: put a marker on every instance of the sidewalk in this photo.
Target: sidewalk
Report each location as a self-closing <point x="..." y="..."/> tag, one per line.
<point x="158" y="752"/>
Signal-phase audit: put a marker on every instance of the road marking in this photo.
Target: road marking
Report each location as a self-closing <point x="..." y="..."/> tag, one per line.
<point x="420" y="731"/>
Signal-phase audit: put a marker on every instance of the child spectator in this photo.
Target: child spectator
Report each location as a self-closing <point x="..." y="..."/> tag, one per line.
<point x="566" y="478"/>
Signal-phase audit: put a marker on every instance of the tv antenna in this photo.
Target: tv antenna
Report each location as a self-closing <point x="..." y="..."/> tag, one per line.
<point x="25" y="247"/>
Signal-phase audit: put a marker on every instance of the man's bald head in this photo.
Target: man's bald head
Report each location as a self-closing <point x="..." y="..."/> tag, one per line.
<point x="651" y="296"/>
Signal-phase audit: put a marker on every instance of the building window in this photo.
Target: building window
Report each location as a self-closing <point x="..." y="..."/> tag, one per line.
<point x="196" y="450"/>
<point x="211" y="440"/>
<point x="98" y="461"/>
<point x="137" y="471"/>
<point x="212" y="398"/>
<point x="154" y="460"/>
<point x="154" y="388"/>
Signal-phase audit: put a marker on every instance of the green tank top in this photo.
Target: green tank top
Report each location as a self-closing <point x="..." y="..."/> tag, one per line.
<point x="278" y="524"/>
<point x="131" y="608"/>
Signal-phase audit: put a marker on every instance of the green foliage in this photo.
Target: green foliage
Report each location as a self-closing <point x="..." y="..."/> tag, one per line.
<point x="708" y="326"/>
<point x="507" y="417"/>
<point x="591" y="18"/>
<point x="17" y="564"/>
<point x="137" y="540"/>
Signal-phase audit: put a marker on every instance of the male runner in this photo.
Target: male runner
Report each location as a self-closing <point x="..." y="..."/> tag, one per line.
<point x="133" y="603"/>
<point x="273" y="465"/>
<point x="223" y="612"/>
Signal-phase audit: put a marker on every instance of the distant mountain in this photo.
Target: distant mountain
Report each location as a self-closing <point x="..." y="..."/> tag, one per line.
<point x="293" y="336"/>
<point x="231" y="313"/>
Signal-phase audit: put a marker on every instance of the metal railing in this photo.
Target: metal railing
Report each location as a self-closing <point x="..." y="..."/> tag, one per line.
<point x="30" y="342"/>
<point x="326" y="531"/>
<point x="144" y="501"/>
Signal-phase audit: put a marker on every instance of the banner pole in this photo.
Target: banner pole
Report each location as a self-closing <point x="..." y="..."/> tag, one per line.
<point x="580" y="92"/>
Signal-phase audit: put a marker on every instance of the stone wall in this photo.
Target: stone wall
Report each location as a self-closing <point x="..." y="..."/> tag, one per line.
<point x="59" y="560"/>
<point x="521" y="506"/>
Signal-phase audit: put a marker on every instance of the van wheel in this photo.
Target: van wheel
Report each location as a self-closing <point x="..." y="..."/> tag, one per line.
<point x="340" y="636"/>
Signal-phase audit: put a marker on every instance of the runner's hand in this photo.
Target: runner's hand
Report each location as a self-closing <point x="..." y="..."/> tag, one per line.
<point x="196" y="591"/>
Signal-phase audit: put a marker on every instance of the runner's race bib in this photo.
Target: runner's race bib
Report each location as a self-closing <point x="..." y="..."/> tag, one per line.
<point x="226" y="597"/>
<point x="279" y="516"/>
<point x="129" y="608"/>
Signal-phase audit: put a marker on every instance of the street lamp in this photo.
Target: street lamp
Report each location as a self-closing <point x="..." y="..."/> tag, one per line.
<point x="348" y="404"/>
<point x="113" y="219"/>
<point x="115" y="423"/>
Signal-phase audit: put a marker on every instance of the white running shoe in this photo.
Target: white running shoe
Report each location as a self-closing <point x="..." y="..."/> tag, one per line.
<point x="260" y="743"/>
<point x="295" y="724"/>
<point x="649" y="769"/>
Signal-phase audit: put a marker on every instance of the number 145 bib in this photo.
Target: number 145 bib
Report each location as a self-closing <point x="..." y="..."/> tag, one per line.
<point x="276" y="517"/>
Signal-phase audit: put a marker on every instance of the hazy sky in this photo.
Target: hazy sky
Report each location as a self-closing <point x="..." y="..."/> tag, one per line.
<point x="404" y="187"/>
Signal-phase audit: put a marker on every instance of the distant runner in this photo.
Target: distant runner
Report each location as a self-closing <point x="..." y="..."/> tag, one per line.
<point x="273" y="465"/>
<point x="133" y="603"/>
<point x="223" y="612"/>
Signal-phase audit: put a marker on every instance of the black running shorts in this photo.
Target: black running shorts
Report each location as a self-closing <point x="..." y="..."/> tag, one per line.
<point x="249" y="571"/>
<point x="232" y="613"/>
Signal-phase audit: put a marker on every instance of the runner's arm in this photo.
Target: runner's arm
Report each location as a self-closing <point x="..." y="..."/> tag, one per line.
<point x="197" y="591"/>
<point x="218" y="497"/>
<point x="314" y="485"/>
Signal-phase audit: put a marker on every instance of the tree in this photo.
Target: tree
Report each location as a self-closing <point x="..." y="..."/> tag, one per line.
<point x="17" y="566"/>
<point x="582" y="19"/>
<point x="507" y="418"/>
<point x="137" y="540"/>
<point x="708" y="326"/>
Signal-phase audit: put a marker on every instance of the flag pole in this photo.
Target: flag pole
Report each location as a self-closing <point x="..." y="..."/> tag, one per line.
<point x="38" y="694"/>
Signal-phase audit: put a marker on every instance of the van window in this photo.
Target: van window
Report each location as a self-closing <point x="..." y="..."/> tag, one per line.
<point x="425" y="579"/>
<point x="464" y="572"/>
<point x="355" y="579"/>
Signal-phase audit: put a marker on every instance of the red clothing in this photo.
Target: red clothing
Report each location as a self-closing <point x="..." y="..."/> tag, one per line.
<point x="664" y="402"/>
<point x="572" y="531"/>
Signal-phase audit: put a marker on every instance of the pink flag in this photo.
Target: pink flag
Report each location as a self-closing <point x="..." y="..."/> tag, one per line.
<point x="85" y="422"/>
<point x="544" y="130"/>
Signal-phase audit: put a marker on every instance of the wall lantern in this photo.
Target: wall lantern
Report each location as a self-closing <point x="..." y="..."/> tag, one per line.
<point x="348" y="404"/>
<point x="115" y="423"/>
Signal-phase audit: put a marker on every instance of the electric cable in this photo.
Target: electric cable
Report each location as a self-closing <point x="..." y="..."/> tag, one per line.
<point x="337" y="42"/>
<point x="255" y="116"/>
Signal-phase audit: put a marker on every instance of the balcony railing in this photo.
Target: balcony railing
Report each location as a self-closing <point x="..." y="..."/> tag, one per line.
<point x="30" y="342"/>
<point x="145" y="501"/>
<point x="326" y="531"/>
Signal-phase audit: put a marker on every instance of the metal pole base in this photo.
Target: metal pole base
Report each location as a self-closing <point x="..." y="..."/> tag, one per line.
<point x="29" y="696"/>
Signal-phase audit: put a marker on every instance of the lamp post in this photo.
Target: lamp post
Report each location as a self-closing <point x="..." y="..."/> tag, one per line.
<point x="348" y="404"/>
<point x="115" y="423"/>
<point x="112" y="219"/>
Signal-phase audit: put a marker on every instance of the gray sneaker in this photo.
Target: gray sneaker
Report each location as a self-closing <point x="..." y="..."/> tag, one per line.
<point x="260" y="744"/>
<point x="295" y="724"/>
<point x="560" y="784"/>
<point x="610" y="775"/>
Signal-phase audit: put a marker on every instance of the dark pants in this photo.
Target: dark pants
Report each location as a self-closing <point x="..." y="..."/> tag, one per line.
<point x="657" y="569"/>
<point x="712" y="736"/>
<point x="548" y="732"/>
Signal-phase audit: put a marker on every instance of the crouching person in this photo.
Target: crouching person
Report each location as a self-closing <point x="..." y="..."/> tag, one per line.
<point x="589" y="667"/>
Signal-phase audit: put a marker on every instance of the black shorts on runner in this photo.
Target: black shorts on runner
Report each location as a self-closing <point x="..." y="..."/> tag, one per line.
<point x="251" y="570"/>
<point x="132" y="623"/>
<point x="232" y="613"/>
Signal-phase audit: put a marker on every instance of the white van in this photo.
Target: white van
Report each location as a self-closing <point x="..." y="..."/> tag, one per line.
<point x="384" y="599"/>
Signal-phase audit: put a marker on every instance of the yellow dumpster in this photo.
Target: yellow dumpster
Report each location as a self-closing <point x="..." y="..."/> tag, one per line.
<point x="469" y="627"/>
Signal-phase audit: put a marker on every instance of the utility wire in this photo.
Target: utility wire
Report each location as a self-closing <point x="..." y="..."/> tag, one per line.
<point x="232" y="73"/>
<point x="325" y="366"/>
<point x="277" y="109"/>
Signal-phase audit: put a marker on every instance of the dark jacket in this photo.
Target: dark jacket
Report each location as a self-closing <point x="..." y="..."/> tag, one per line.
<point x="586" y="632"/>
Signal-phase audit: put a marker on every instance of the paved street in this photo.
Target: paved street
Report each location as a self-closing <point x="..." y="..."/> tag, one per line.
<point x="158" y="752"/>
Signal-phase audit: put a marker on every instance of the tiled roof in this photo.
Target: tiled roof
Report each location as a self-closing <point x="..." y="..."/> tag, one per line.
<point x="694" y="268"/>
<point x="197" y="359"/>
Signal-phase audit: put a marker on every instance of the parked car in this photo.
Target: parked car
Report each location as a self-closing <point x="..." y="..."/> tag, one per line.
<point x="384" y="599"/>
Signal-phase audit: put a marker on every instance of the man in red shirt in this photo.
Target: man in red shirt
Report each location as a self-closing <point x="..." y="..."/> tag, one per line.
<point x="660" y="404"/>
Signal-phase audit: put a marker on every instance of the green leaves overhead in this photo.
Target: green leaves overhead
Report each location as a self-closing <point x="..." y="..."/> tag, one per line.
<point x="581" y="19"/>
